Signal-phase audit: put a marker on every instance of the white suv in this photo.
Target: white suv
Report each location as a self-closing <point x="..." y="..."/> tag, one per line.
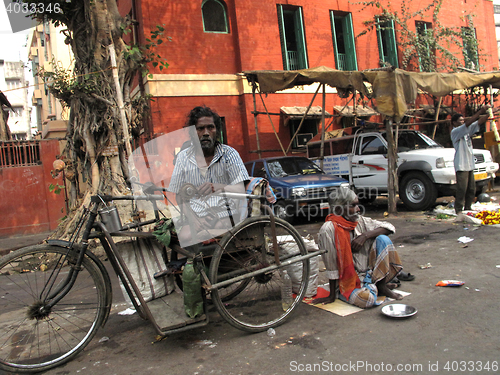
<point x="425" y="168"/>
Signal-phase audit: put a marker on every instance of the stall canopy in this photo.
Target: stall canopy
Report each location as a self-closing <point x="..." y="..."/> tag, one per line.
<point x="392" y="89"/>
<point x="298" y="112"/>
<point x="351" y="111"/>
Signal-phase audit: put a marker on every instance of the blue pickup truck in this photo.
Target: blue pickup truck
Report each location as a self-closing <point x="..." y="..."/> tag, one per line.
<point x="301" y="187"/>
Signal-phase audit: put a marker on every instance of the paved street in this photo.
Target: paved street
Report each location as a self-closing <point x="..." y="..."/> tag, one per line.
<point x="455" y="331"/>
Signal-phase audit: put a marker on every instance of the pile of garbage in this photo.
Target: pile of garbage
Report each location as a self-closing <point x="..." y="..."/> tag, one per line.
<point x="483" y="212"/>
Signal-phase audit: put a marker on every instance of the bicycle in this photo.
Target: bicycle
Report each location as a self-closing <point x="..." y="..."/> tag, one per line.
<point x="55" y="296"/>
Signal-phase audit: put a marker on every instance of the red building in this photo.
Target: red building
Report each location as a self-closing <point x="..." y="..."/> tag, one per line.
<point x="214" y="40"/>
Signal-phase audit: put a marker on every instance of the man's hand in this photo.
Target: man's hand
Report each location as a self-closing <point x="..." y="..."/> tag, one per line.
<point x="358" y="242"/>
<point x="206" y="189"/>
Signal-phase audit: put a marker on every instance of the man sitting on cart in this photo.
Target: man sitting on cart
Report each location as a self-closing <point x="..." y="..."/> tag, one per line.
<point x="211" y="167"/>
<point x="360" y="256"/>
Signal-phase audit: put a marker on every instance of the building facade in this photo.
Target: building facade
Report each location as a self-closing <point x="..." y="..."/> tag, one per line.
<point x="46" y="49"/>
<point x="13" y="85"/>
<point x="496" y="7"/>
<point x="212" y="41"/>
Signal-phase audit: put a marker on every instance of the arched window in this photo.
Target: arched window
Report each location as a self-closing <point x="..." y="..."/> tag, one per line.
<point x="214" y="16"/>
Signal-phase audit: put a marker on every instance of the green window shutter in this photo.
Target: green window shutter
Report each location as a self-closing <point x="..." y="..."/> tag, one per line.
<point x="343" y="41"/>
<point x="349" y="42"/>
<point x="391" y="44"/>
<point x="381" y="52"/>
<point x="284" y="52"/>
<point x="334" y="36"/>
<point x="470" y="53"/>
<point x="386" y="38"/>
<point x="300" y="35"/>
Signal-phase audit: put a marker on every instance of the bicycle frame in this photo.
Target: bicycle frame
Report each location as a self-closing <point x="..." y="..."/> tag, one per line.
<point x="97" y="230"/>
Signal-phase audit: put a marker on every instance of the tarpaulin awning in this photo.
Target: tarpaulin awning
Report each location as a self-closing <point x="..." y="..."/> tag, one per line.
<point x="348" y="111"/>
<point x="298" y="112"/>
<point x="391" y="89"/>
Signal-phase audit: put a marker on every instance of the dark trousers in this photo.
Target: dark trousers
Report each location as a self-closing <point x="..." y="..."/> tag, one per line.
<point x="466" y="190"/>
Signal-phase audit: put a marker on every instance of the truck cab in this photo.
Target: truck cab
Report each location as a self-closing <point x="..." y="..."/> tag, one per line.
<point x="424" y="167"/>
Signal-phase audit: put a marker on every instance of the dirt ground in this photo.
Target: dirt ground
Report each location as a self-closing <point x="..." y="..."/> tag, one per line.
<point x="455" y="330"/>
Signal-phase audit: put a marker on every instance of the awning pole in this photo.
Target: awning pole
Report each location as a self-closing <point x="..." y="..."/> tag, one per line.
<point x="254" y="85"/>
<point x="437" y="117"/>
<point x="303" y="118"/>
<point x="491" y="103"/>
<point x="322" y="149"/>
<point x="272" y="124"/>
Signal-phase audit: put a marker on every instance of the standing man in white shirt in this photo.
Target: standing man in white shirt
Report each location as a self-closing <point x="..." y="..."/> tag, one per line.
<point x="461" y="135"/>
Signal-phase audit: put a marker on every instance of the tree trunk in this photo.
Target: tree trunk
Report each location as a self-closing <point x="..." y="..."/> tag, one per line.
<point x="4" y="127"/>
<point x="392" y="159"/>
<point x="100" y="118"/>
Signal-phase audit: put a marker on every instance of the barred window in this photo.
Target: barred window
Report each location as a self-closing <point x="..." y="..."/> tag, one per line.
<point x="214" y="17"/>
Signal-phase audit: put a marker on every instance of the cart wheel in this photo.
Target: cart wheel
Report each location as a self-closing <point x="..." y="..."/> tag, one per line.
<point x="253" y="302"/>
<point x="36" y="336"/>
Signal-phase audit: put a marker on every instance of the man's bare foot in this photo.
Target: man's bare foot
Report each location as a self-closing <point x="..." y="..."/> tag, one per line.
<point x="323" y="300"/>
<point x="384" y="290"/>
<point x="392" y="285"/>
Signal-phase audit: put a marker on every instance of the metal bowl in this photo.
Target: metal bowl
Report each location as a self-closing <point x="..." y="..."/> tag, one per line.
<point x="398" y="310"/>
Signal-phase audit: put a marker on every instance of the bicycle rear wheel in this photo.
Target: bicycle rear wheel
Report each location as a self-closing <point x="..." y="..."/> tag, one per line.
<point x="33" y="337"/>
<point x="254" y="304"/>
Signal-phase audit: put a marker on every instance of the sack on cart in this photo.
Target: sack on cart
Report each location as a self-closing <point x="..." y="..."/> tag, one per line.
<point x="144" y="257"/>
<point x="295" y="269"/>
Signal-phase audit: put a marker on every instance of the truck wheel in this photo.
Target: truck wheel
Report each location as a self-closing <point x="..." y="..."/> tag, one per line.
<point x="481" y="189"/>
<point x="416" y="191"/>
<point x="283" y="212"/>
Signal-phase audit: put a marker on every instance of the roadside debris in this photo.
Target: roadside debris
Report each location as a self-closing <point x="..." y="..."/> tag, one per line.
<point x="425" y="266"/>
<point x="450" y="283"/>
<point x="465" y="239"/>
<point x="128" y="311"/>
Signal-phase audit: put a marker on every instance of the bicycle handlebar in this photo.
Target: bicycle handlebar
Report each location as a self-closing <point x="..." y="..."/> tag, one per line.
<point x="150" y="188"/>
<point x="109" y="198"/>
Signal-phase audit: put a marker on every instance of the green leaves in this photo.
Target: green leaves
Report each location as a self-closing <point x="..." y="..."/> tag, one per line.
<point x="438" y="47"/>
<point x="56" y="189"/>
<point x="143" y="55"/>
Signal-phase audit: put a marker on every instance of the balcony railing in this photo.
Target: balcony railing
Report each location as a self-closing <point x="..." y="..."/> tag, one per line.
<point x="293" y="60"/>
<point x="19" y="154"/>
<point x="342" y="61"/>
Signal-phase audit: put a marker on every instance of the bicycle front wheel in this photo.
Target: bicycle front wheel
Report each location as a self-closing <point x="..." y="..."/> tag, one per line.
<point x="36" y="337"/>
<point x="252" y="299"/>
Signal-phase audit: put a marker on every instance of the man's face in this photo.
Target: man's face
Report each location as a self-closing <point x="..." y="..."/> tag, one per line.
<point x="460" y="121"/>
<point x="351" y="211"/>
<point x="207" y="132"/>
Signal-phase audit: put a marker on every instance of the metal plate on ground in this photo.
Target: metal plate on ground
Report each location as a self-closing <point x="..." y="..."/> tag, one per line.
<point x="398" y="310"/>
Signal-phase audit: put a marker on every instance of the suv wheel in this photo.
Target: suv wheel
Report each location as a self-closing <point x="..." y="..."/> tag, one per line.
<point x="283" y="212"/>
<point x="417" y="191"/>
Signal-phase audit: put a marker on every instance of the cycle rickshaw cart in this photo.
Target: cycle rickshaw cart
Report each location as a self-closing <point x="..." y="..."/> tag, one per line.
<point x="55" y="296"/>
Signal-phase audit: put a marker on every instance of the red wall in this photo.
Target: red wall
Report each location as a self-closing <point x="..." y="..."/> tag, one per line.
<point x="254" y="44"/>
<point x="26" y="205"/>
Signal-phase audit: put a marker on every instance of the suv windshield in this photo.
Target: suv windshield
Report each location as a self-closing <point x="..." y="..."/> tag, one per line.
<point x="411" y="140"/>
<point x="292" y="166"/>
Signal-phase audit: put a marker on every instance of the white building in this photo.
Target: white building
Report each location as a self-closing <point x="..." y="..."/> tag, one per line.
<point x="46" y="47"/>
<point x="13" y="84"/>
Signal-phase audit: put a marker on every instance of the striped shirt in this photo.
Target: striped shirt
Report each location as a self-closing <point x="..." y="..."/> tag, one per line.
<point x="225" y="168"/>
<point x="326" y="241"/>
